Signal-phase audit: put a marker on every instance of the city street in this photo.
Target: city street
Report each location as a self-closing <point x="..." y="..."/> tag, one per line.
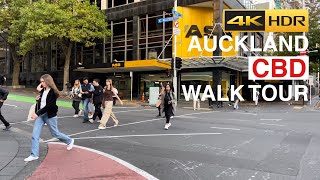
<point x="264" y="142"/>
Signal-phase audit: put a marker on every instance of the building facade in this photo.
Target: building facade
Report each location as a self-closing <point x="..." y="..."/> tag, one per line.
<point x="138" y="55"/>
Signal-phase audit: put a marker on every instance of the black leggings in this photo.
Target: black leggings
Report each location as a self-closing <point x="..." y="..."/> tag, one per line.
<point x="97" y="111"/>
<point x="2" y="118"/>
<point x="159" y="108"/>
<point x="75" y="105"/>
<point x="168" y="112"/>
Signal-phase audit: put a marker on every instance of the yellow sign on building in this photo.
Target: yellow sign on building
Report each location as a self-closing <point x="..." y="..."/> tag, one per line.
<point x="196" y="23"/>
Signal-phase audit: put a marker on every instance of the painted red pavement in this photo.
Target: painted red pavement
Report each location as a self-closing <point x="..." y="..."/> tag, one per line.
<point x="80" y="163"/>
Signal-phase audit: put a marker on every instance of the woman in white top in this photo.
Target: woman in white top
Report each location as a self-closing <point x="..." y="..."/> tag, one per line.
<point x="47" y="114"/>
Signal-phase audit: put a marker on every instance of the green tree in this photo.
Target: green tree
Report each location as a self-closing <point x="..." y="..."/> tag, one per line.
<point x="67" y="21"/>
<point x="313" y="37"/>
<point x="11" y="32"/>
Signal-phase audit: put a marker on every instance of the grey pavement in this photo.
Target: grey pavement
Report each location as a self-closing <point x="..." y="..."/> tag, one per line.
<point x="269" y="141"/>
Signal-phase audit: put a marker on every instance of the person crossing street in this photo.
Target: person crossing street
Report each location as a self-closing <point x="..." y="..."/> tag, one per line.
<point x="97" y="100"/>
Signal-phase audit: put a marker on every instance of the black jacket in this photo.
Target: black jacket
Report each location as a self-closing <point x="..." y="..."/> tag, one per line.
<point x="51" y="107"/>
<point x="97" y="95"/>
<point x="3" y="94"/>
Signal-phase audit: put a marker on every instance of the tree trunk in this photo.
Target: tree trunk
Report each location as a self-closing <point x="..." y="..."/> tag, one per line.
<point x="16" y="66"/>
<point x="67" y="51"/>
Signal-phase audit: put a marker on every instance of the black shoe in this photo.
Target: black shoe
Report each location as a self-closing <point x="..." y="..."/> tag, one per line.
<point x="158" y="116"/>
<point x="7" y="128"/>
<point x="85" y="121"/>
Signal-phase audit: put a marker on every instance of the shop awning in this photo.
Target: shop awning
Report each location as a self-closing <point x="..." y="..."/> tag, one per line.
<point x="127" y="66"/>
<point x="238" y="63"/>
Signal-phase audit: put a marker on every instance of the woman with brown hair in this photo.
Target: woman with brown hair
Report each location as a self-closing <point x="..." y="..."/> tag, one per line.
<point x="168" y="102"/>
<point x="47" y="114"/>
<point x="107" y="104"/>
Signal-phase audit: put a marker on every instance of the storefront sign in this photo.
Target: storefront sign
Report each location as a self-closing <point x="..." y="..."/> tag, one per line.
<point x="118" y="64"/>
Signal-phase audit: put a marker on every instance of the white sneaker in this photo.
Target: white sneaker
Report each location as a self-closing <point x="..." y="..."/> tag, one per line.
<point x="101" y="127"/>
<point x="80" y="112"/>
<point x="90" y="116"/>
<point x="76" y="115"/>
<point x="169" y="125"/>
<point x="171" y="117"/>
<point x="99" y="121"/>
<point x="91" y="121"/>
<point x="31" y="158"/>
<point x="166" y="127"/>
<point x="70" y="146"/>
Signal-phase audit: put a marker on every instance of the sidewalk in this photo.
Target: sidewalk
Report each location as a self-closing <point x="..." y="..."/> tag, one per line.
<point x="55" y="162"/>
<point x="15" y="146"/>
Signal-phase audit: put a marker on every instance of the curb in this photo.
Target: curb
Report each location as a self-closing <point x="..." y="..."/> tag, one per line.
<point x="26" y="169"/>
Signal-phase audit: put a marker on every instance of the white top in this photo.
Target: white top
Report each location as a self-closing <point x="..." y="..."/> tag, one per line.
<point x="44" y="98"/>
<point x="115" y="91"/>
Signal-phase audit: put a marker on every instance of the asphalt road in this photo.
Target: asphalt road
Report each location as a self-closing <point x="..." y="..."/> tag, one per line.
<point x="281" y="143"/>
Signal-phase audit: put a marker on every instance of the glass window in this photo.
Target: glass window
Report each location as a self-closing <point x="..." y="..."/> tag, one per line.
<point x="119" y="2"/>
<point x="109" y="3"/>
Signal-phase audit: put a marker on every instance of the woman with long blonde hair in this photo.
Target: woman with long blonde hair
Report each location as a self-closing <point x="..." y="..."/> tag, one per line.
<point x="76" y="97"/>
<point x="107" y="104"/>
<point x="47" y="114"/>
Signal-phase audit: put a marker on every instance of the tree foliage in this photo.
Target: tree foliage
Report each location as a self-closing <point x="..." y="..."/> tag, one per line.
<point x="11" y="30"/>
<point x="67" y="21"/>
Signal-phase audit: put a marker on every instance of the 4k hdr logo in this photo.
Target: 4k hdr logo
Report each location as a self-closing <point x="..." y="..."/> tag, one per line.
<point x="266" y="20"/>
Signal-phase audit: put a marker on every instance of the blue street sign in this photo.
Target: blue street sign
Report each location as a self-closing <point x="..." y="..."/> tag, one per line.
<point x="167" y="19"/>
<point x="176" y="13"/>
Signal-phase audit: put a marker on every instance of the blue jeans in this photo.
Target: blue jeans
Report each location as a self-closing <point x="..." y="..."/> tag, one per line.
<point x="85" y="104"/>
<point x="53" y="127"/>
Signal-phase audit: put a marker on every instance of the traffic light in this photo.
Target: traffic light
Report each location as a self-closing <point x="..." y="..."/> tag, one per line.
<point x="178" y="63"/>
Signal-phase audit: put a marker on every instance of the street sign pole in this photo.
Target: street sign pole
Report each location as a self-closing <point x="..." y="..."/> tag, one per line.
<point x="175" y="85"/>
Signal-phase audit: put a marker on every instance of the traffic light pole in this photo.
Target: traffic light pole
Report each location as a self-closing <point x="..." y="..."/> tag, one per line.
<point x="175" y="85"/>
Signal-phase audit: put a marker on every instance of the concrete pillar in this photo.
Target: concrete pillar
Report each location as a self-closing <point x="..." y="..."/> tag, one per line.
<point x="136" y="35"/>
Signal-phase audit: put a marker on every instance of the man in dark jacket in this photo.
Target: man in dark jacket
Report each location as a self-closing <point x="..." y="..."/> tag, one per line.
<point x="3" y="96"/>
<point x="97" y="100"/>
<point x="86" y="91"/>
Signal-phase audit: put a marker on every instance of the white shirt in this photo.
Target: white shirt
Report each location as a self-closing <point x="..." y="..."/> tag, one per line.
<point x="44" y="98"/>
<point x="115" y="91"/>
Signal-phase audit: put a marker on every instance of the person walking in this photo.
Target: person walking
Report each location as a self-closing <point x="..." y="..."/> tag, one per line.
<point x="257" y="97"/>
<point x="158" y="105"/>
<point x="3" y="96"/>
<point x="167" y="104"/>
<point x="107" y="104"/>
<point x="97" y="100"/>
<point x="236" y="102"/>
<point x="47" y="114"/>
<point x="229" y="97"/>
<point x="86" y="92"/>
<point x="76" y="97"/>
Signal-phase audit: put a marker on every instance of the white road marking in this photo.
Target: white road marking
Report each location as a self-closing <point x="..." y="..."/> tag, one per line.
<point x="116" y="112"/>
<point x="120" y="161"/>
<point x="254" y="114"/>
<point x="138" y="122"/>
<point x="242" y="120"/>
<point x="21" y="122"/>
<point x="270" y="119"/>
<point x="272" y="124"/>
<point x="10" y="105"/>
<point x="235" y="129"/>
<point x="146" y="135"/>
<point x="122" y="107"/>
